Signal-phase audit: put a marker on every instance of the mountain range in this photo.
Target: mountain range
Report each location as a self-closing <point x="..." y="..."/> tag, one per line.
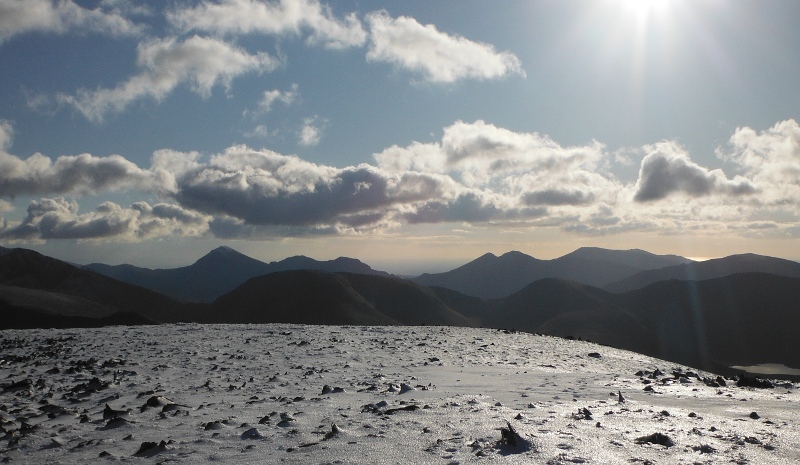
<point x="491" y="277"/>
<point x="737" y="314"/>
<point x="220" y="271"/>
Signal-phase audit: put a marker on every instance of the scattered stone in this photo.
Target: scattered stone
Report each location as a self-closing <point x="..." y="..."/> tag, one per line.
<point x="511" y="442"/>
<point x="704" y="449"/>
<point x="109" y="413"/>
<point x="407" y="408"/>
<point x="744" y="381"/>
<point x="656" y="438"/>
<point x="252" y="433"/>
<point x="149" y="449"/>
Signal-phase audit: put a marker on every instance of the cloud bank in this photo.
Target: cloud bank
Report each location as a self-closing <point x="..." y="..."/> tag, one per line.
<point x="476" y="174"/>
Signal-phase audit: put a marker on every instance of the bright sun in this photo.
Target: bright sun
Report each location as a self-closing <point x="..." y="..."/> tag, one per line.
<point x="645" y="10"/>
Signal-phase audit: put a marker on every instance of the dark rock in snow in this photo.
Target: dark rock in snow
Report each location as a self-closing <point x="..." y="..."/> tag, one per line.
<point x="656" y="438"/>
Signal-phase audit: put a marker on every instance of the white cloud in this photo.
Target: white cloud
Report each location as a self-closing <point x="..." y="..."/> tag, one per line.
<point x="667" y="170"/>
<point x="58" y="218"/>
<point x="59" y="17"/>
<point x="6" y="135"/>
<point x="311" y="132"/>
<point x="477" y="174"/>
<point x="201" y="62"/>
<point x="266" y="188"/>
<point x="437" y="56"/>
<point x="286" y="17"/>
<point x="69" y="174"/>
<point x="269" y="97"/>
<point x="771" y="159"/>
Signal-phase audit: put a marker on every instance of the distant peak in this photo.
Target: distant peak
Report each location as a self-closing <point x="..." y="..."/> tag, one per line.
<point x="224" y="249"/>
<point x="223" y="253"/>
<point x="514" y="253"/>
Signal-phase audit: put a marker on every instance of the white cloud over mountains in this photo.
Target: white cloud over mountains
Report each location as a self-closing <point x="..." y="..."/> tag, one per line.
<point x="60" y="17"/>
<point x="72" y="174"/>
<point x="667" y="169"/>
<point x="477" y="174"/>
<point x="58" y="218"/>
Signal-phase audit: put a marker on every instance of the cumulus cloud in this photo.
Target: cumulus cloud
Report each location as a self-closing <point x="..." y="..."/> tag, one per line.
<point x="311" y="132"/>
<point x="473" y="206"/>
<point x="59" y="17"/>
<point x="439" y="57"/>
<point x="266" y="188"/>
<point x="201" y="62"/>
<point x="558" y="197"/>
<point x="477" y="173"/>
<point x="771" y="159"/>
<point x="285" y="17"/>
<point x="58" y="218"/>
<point x="269" y="97"/>
<point x="78" y="174"/>
<point x="668" y="170"/>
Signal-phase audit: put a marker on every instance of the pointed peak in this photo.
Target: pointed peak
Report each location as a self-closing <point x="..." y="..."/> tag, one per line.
<point x="223" y="254"/>
<point x="224" y="249"/>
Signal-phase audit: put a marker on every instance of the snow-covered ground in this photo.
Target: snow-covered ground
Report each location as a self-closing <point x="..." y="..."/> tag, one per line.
<point x="371" y="395"/>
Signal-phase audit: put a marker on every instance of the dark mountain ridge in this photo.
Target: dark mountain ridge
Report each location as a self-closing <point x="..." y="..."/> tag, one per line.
<point x="85" y="293"/>
<point x="709" y="269"/>
<point x="220" y="271"/>
<point x="738" y="319"/>
<point x="492" y="277"/>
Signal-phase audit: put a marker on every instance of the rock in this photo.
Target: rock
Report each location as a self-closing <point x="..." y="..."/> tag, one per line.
<point x="745" y="381"/>
<point x="511" y="442"/>
<point x="149" y="449"/>
<point x="252" y="433"/>
<point x="656" y="438"/>
<point x="109" y="413"/>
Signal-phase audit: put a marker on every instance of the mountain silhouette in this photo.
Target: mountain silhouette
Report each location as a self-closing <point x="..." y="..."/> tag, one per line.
<point x="54" y="286"/>
<point x="737" y="319"/>
<point x="709" y="269"/>
<point x="493" y="277"/>
<point x="218" y="272"/>
<point x="317" y="297"/>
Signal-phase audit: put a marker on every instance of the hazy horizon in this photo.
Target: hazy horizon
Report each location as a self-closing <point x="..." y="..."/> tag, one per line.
<point x="397" y="133"/>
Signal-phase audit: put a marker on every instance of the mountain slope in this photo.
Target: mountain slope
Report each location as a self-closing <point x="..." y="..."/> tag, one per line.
<point x="740" y="319"/>
<point x="316" y="297"/>
<point x="220" y="271"/>
<point x="493" y="277"/>
<point x="709" y="269"/>
<point x="85" y="290"/>
<point x="300" y="296"/>
<point x="405" y="301"/>
<point x="565" y="308"/>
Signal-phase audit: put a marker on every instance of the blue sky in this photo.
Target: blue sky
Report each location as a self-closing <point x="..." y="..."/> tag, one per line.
<point x="412" y="135"/>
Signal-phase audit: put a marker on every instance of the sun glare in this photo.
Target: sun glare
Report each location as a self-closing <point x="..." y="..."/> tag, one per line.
<point x="645" y="11"/>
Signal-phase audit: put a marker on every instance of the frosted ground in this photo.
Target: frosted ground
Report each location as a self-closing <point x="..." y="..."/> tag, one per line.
<point x="366" y="395"/>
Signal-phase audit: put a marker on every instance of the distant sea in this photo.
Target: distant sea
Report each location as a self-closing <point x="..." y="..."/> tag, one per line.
<point x="769" y="369"/>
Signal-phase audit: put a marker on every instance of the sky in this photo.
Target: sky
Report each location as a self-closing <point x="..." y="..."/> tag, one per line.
<point x="415" y="136"/>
